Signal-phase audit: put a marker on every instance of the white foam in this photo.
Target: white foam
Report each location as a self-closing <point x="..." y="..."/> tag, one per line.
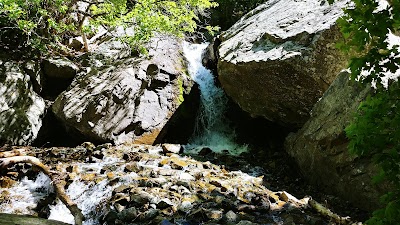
<point x="212" y="129"/>
<point x="24" y="196"/>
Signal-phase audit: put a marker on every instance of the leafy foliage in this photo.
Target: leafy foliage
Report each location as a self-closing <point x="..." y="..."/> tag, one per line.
<point x="46" y="24"/>
<point x="365" y="27"/>
<point x="375" y="130"/>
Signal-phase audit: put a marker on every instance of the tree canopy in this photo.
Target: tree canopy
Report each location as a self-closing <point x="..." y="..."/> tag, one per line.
<point x="48" y="23"/>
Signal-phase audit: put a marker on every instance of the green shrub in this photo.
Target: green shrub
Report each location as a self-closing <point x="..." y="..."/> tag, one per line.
<point x="375" y="132"/>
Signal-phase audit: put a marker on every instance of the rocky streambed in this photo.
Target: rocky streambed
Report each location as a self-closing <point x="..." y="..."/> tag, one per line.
<point x="141" y="184"/>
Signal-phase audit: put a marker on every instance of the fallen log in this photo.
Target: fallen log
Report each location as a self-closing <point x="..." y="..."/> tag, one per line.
<point x="328" y="213"/>
<point x="54" y="177"/>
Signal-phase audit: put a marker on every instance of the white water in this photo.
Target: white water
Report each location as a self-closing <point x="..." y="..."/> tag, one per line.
<point x="23" y="197"/>
<point x="212" y="128"/>
<point x="92" y="196"/>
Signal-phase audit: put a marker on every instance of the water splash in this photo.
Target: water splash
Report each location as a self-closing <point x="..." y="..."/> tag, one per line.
<point x="23" y="197"/>
<point x="91" y="196"/>
<point x="212" y="128"/>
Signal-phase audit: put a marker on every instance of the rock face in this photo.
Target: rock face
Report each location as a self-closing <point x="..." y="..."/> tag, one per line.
<point x="130" y="99"/>
<point x="320" y="147"/>
<point x="281" y="57"/>
<point x="60" y="68"/>
<point x="21" y="109"/>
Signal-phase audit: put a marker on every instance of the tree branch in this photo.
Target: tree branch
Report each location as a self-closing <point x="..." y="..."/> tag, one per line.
<point x="54" y="177"/>
<point x="328" y="213"/>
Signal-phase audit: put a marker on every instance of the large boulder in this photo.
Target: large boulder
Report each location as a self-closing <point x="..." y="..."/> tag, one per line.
<point x="278" y="60"/>
<point x="129" y="100"/>
<point x="21" y="109"/>
<point x="320" y="147"/>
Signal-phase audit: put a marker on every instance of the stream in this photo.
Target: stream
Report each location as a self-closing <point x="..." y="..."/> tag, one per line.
<point x="139" y="184"/>
<point x="212" y="128"/>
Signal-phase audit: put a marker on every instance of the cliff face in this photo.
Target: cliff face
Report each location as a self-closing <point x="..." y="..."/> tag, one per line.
<point x="278" y="60"/>
<point x="320" y="147"/>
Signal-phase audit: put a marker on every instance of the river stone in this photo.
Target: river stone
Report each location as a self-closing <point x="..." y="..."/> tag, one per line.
<point x="21" y="109"/>
<point x="278" y="60"/>
<point x="129" y="100"/>
<point x="128" y="215"/>
<point x="11" y="219"/>
<point x="320" y="147"/>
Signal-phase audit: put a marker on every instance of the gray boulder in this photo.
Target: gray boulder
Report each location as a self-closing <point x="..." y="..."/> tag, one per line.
<point x="278" y="60"/>
<point x="21" y="109"/>
<point x="320" y="147"/>
<point x="60" y="68"/>
<point x="130" y="100"/>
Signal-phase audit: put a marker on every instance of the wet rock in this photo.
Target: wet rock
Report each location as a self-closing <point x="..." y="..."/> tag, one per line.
<point x="172" y="148"/>
<point x="121" y="198"/>
<point x="277" y="67"/>
<point x="210" y="55"/>
<point x="166" y="222"/>
<point x="214" y="214"/>
<point x="230" y="217"/>
<point x="128" y="215"/>
<point x="149" y="215"/>
<point x="140" y="198"/>
<point x="245" y="222"/>
<point x="110" y="217"/>
<point x="164" y="203"/>
<point x="185" y="206"/>
<point x="186" y="177"/>
<point x="205" y="151"/>
<point x="6" y="182"/>
<point x="118" y="207"/>
<point x="21" y="109"/>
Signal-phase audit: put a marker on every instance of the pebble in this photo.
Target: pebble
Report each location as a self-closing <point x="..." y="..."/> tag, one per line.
<point x="230" y="217"/>
<point x="128" y="214"/>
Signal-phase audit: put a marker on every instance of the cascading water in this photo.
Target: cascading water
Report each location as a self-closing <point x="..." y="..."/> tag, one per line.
<point x="212" y="128"/>
<point x="94" y="194"/>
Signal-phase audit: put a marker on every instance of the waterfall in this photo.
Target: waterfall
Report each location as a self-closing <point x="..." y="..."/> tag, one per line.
<point x="212" y="128"/>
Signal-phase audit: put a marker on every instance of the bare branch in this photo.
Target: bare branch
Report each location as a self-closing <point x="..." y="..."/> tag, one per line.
<point x="54" y="177"/>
